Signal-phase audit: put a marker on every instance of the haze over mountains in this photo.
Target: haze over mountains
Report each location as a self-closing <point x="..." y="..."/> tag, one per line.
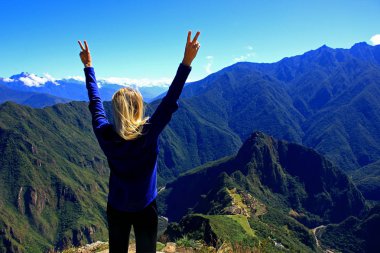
<point x="53" y="171"/>
<point x="72" y="88"/>
<point x="29" y="98"/>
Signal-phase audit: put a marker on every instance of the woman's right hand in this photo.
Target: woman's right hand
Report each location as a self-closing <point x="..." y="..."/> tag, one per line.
<point x="191" y="49"/>
<point x="85" y="55"/>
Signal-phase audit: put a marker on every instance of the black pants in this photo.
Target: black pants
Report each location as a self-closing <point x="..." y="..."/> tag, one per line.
<point x="144" y="225"/>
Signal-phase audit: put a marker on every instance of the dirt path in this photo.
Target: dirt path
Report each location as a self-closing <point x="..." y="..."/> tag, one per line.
<point x="314" y="230"/>
<point x="160" y="190"/>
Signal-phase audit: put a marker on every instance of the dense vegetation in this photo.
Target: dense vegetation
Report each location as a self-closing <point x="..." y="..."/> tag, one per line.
<point x="354" y="234"/>
<point x="54" y="175"/>
<point x="367" y="180"/>
<point x="276" y="185"/>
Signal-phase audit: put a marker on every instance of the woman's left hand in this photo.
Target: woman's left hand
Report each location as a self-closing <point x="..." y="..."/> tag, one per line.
<point x="85" y="55"/>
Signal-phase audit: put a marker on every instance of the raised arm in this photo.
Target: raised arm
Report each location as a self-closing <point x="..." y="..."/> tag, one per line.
<point x="99" y="117"/>
<point x="169" y="104"/>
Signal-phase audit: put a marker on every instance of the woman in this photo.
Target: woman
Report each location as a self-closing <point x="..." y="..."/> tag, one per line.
<point x="131" y="147"/>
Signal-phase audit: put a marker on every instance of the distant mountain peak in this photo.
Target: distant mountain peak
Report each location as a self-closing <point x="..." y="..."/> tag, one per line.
<point x="255" y="140"/>
<point x="324" y="46"/>
<point x="31" y="80"/>
<point x="256" y="137"/>
<point x="362" y="44"/>
<point x="18" y="76"/>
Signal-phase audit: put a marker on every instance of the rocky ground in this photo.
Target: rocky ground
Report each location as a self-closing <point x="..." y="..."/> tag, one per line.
<point x="170" y="247"/>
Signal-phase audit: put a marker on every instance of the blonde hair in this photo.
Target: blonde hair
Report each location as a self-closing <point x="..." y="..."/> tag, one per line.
<point x="128" y="112"/>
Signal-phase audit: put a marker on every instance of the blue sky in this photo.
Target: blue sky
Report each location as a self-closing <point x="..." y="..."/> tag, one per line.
<point x="146" y="39"/>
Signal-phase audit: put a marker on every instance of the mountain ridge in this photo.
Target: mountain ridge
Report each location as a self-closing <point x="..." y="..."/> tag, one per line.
<point x="265" y="163"/>
<point x="314" y="88"/>
<point x="72" y="88"/>
<point x="267" y="182"/>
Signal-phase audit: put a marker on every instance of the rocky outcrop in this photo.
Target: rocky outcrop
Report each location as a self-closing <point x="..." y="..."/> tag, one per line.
<point x="77" y="237"/>
<point x="31" y="200"/>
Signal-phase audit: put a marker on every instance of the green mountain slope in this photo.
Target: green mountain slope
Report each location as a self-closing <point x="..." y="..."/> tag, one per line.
<point x="325" y="99"/>
<point x="278" y="174"/>
<point x="54" y="178"/>
<point x="283" y="190"/>
<point x="367" y="180"/>
<point x="353" y="235"/>
<point x="191" y="139"/>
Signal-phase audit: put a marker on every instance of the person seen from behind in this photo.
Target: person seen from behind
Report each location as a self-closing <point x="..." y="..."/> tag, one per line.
<point x="131" y="146"/>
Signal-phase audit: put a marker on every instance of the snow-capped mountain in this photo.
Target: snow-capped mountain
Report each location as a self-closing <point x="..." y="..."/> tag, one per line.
<point x="73" y="88"/>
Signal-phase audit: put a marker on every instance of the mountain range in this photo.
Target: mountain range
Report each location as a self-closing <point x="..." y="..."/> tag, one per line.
<point x="67" y="89"/>
<point x="267" y="182"/>
<point x="325" y="99"/>
<point x="33" y="99"/>
<point x="53" y="171"/>
<point x="300" y="178"/>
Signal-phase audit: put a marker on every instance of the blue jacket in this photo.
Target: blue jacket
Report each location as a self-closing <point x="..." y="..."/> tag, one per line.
<point x="133" y="163"/>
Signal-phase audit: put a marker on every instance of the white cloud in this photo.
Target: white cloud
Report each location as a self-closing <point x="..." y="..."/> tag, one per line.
<point x="32" y="80"/>
<point x="7" y="80"/>
<point x="75" y="78"/>
<point x="210" y="61"/>
<point x="375" y="39"/>
<point x="208" y="68"/>
<point x="142" y="82"/>
<point x="246" y="56"/>
<point x="49" y="77"/>
<point x="123" y="81"/>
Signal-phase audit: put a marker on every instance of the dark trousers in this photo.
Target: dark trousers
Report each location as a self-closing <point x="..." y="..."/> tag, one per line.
<point x="144" y="225"/>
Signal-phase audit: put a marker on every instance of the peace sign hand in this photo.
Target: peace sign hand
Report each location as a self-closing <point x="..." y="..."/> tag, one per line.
<point x="191" y="49"/>
<point x="85" y="55"/>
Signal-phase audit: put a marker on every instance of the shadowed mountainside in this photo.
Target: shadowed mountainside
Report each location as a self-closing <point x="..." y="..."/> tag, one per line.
<point x="269" y="189"/>
<point x="279" y="174"/>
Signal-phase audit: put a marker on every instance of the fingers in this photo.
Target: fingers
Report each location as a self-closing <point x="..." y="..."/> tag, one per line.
<point x="86" y="45"/>
<point x="85" y="48"/>
<point x="196" y="37"/>
<point x="81" y="46"/>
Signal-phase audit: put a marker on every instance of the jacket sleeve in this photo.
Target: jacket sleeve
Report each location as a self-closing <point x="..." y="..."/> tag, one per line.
<point x="169" y="104"/>
<point x="99" y="117"/>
